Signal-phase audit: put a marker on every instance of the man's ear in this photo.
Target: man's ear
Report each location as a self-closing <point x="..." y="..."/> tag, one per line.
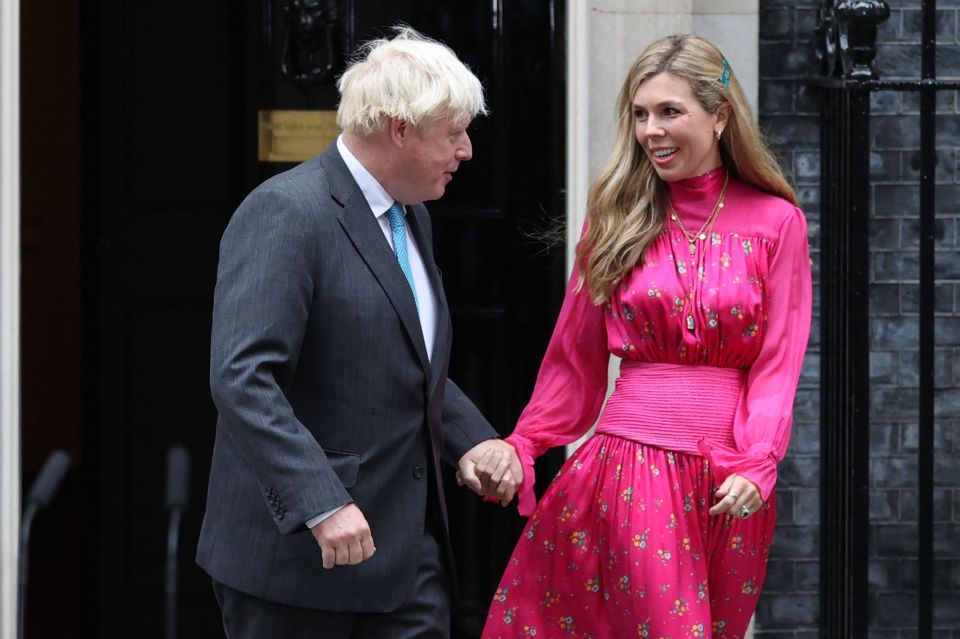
<point x="399" y="130"/>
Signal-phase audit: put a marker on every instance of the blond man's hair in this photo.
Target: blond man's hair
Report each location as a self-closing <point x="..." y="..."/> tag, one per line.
<point x="409" y="77"/>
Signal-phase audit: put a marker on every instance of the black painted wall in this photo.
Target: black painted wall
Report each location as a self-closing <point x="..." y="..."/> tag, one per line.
<point x="789" y="112"/>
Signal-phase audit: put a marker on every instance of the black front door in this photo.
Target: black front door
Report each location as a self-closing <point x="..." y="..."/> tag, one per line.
<point x="171" y="149"/>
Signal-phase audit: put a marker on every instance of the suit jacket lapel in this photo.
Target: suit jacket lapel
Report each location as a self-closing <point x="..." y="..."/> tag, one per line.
<point x="364" y="232"/>
<point x="419" y="221"/>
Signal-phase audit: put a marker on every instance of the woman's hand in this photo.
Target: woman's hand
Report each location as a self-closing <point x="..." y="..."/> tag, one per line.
<point x="738" y="496"/>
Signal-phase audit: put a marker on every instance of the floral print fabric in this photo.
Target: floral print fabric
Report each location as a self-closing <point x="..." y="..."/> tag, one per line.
<point x="622" y="546"/>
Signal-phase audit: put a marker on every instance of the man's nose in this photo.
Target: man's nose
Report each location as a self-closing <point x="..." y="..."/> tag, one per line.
<point x="464" y="151"/>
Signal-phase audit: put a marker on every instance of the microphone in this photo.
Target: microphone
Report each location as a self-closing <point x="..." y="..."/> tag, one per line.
<point x="48" y="480"/>
<point x="178" y="477"/>
<point x="176" y="499"/>
<point x="41" y="493"/>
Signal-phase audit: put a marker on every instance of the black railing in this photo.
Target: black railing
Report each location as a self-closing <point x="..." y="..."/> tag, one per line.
<point x="846" y="40"/>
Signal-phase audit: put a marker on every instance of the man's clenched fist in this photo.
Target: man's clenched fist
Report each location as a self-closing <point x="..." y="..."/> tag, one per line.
<point x="344" y="538"/>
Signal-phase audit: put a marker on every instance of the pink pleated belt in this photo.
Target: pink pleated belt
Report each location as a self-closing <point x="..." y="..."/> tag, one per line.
<point x="673" y="406"/>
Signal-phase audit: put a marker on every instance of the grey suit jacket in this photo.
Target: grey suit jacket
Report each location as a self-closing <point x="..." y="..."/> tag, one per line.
<point x="325" y="394"/>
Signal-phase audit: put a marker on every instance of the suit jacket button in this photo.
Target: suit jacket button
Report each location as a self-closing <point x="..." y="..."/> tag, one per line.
<point x="418" y="472"/>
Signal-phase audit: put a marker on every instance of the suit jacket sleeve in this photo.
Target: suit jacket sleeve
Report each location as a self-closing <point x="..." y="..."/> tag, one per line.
<point x="263" y="295"/>
<point x="464" y="426"/>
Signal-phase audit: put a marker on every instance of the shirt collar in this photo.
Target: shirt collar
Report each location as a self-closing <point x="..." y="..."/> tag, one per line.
<point x="377" y="197"/>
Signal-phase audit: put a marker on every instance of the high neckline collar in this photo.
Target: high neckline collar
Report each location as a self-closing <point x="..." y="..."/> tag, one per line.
<point x="702" y="187"/>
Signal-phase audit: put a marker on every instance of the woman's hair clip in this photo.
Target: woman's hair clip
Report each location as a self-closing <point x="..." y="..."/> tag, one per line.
<point x="724" y="78"/>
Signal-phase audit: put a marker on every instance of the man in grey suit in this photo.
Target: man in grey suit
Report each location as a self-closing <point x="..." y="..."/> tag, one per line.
<point x="331" y="338"/>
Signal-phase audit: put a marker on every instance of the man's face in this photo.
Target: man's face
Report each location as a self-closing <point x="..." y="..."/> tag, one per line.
<point x="429" y="159"/>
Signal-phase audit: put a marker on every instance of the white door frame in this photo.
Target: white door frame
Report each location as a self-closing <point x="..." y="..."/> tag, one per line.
<point x="9" y="312"/>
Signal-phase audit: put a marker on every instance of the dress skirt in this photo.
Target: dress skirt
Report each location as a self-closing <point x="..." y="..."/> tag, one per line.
<point x="622" y="546"/>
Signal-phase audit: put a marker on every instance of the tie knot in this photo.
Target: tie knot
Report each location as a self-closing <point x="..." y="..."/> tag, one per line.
<point x="396" y="214"/>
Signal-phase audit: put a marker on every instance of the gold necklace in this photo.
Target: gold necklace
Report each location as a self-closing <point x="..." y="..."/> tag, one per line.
<point x="689" y="294"/>
<point x="702" y="233"/>
<point x="692" y="238"/>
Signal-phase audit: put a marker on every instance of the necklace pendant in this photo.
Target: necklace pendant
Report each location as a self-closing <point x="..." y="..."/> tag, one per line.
<point x="703" y="236"/>
<point x="690" y="323"/>
<point x="693" y="248"/>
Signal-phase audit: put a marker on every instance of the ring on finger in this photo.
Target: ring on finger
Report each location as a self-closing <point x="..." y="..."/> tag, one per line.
<point x="744" y="512"/>
<point x="734" y="495"/>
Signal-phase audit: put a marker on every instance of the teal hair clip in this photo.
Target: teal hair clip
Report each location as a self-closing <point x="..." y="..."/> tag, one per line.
<point x="724" y="78"/>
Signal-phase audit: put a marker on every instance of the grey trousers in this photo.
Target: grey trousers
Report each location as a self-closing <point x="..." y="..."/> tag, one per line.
<point x="424" y="615"/>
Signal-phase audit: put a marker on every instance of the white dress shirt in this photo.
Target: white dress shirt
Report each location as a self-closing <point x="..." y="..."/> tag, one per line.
<point x="380" y="202"/>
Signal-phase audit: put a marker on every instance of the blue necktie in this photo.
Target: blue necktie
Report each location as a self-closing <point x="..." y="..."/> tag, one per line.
<point x="399" y="232"/>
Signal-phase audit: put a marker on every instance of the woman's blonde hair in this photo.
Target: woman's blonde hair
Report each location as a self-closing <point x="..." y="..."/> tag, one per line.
<point x="409" y="77"/>
<point x="625" y="205"/>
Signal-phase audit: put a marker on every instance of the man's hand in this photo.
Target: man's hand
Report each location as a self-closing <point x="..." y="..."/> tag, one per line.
<point x="492" y="468"/>
<point x="344" y="537"/>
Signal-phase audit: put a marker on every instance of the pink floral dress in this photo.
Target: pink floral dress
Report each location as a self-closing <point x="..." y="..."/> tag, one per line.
<point x="711" y="340"/>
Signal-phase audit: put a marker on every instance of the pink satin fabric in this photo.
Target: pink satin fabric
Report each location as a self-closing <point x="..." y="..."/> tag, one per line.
<point x="746" y="291"/>
<point x="675" y="407"/>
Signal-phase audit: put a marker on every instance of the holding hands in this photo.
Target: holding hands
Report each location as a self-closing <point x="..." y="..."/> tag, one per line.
<point x="491" y="469"/>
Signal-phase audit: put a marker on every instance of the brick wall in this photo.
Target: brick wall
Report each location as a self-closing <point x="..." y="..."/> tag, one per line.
<point x="789" y="114"/>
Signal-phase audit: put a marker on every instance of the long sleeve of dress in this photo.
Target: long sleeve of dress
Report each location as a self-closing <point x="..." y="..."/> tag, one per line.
<point x="570" y="387"/>
<point x="765" y="413"/>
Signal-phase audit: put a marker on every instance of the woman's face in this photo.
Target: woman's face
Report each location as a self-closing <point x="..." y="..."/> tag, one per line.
<point x="676" y="133"/>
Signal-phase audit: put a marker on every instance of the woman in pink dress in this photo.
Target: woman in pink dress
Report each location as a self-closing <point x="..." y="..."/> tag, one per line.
<point x="693" y="269"/>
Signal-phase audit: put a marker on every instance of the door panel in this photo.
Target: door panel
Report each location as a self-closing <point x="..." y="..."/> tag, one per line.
<point x="169" y="171"/>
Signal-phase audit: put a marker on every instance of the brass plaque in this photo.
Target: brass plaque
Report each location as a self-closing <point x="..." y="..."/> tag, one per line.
<point x="295" y="136"/>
